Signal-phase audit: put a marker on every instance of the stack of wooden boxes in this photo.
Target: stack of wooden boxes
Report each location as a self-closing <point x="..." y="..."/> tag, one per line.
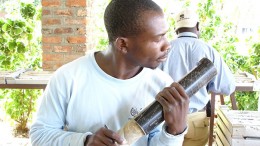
<point x="237" y="128"/>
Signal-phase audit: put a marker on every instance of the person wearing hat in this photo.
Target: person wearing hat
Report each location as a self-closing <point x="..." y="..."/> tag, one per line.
<point x="186" y="51"/>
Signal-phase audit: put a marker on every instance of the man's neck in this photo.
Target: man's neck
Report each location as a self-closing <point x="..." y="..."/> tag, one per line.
<point x="192" y="30"/>
<point x="115" y="65"/>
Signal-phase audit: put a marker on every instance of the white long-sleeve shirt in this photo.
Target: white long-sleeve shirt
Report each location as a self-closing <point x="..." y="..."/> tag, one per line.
<point x="186" y="51"/>
<point x="83" y="98"/>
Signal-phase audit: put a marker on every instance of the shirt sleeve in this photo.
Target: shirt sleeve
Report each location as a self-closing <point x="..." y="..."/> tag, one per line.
<point x="161" y="138"/>
<point x="224" y="82"/>
<point x="48" y="127"/>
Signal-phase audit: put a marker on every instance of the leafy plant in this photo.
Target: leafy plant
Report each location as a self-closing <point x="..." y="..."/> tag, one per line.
<point x="254" y="60"/>
<point x="20" y="106"/>
<point x="247" y="100"/>
<point x="20" y="48"/>
<point x="221" y="34"/>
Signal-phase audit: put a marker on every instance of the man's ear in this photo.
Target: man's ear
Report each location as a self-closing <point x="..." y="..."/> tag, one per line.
<point x="198" y="27"/>
<point x="177" y="31"/>
<point x="121" y="44"/>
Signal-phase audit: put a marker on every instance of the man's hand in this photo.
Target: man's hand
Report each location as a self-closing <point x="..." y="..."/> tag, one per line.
<point x="175" y="104"/>
<point x="104" y="137"/>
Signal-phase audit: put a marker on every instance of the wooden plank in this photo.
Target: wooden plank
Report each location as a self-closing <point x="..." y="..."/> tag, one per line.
<point x="246" y="142"/>
<point x="244" y="78"/>
<point x="224" y="118"/>
<point x="224" y="129"/>
<point x="28" y="81"/>
<point x="23" y="86"/>
<point x="15" y="74"/>
<point x="222" y="137"/>
<point x="2" y="79"/>
<point x="3" y="74"/>
<point x="25" y="80"/>
<point x="37" y="74"/>
<point x="218" y="141"/>
<point x="32" y="77"/>
<point x="256" y="86"/>
<point x="245" y="123"/>
<point x="241" y="123"/>
<point x="234" y="141"/>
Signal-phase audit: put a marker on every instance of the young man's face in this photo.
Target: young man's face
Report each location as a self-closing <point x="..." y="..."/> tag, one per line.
<point x="150" y="47"/>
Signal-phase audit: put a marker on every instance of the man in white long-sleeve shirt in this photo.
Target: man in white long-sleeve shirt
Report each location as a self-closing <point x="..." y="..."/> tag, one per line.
<point x="112" y="86"/>
<point x="186" y="51"/>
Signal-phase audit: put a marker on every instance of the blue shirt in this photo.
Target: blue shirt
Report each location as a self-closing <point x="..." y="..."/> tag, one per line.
<point x="186" y="51"/>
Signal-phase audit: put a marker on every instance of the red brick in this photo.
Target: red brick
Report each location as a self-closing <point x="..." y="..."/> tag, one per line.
<point x="52" y="57"/>
<point x="76" y="3"/>
<point x="50" y="21"/>
<point x="46" y="48"/>
<point x="75" y="21"/>
<point x="71" y="57"/>
<point x="76" y="39"/>
<point x="58" y="65"/>
<point x="51" y="3"/>
<point x="65" y="26"/>
<point x="64" y="12"/>
<point x="51" y="40"/>
<point x="52" y="65"/>
<point x="46" y="12"/>
<point x="63" y="30"/>
<point x="82" y="12"/>
<point x="80" y="48"/>
<point x="47" y="31"/>
<point x="81" y="30"/>
<point x="63" y="49"/>
<point x="47" y="66"/>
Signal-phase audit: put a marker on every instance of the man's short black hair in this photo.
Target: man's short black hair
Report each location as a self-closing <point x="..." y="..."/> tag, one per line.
<point x="122" y="17"/>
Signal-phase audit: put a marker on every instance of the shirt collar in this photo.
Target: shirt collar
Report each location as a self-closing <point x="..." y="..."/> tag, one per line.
<point x="188" y="34"/>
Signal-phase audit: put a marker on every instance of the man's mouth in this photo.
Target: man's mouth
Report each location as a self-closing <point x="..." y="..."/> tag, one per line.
<point x="163" y="58"/>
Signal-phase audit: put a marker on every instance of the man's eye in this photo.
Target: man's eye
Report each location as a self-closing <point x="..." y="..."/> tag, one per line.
<point x="158" y="39"/>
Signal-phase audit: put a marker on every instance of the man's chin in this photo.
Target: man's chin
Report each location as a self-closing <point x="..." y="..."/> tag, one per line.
<point x="153" y="66"/>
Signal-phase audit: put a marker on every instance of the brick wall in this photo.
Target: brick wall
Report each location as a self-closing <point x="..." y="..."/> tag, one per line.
<point x="66" y="31"/>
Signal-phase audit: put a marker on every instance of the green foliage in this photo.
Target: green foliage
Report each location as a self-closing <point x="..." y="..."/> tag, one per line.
<point x="254" y="60"/>
<point x="20" y="48"/>
<point x="100" y="36"/>
<point x="102" y="43"/>
<point x="247" y="100"/>
<point x="222" y="37"/>
<point x="27" y="10"/>
<point x="13" y="46"/>
<point x="20" y="105"/>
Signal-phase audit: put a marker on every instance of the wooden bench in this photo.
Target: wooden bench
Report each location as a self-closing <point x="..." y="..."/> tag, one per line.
<point x="237" y="128"/>
<point x="244" y="82"/>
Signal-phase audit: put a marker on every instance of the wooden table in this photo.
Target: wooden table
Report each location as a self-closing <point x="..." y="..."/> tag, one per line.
<point x="244" y="82"/>
<point x="239" y="87"/>
<point x="24" y="79"/>
<point x="237" y="128"/>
